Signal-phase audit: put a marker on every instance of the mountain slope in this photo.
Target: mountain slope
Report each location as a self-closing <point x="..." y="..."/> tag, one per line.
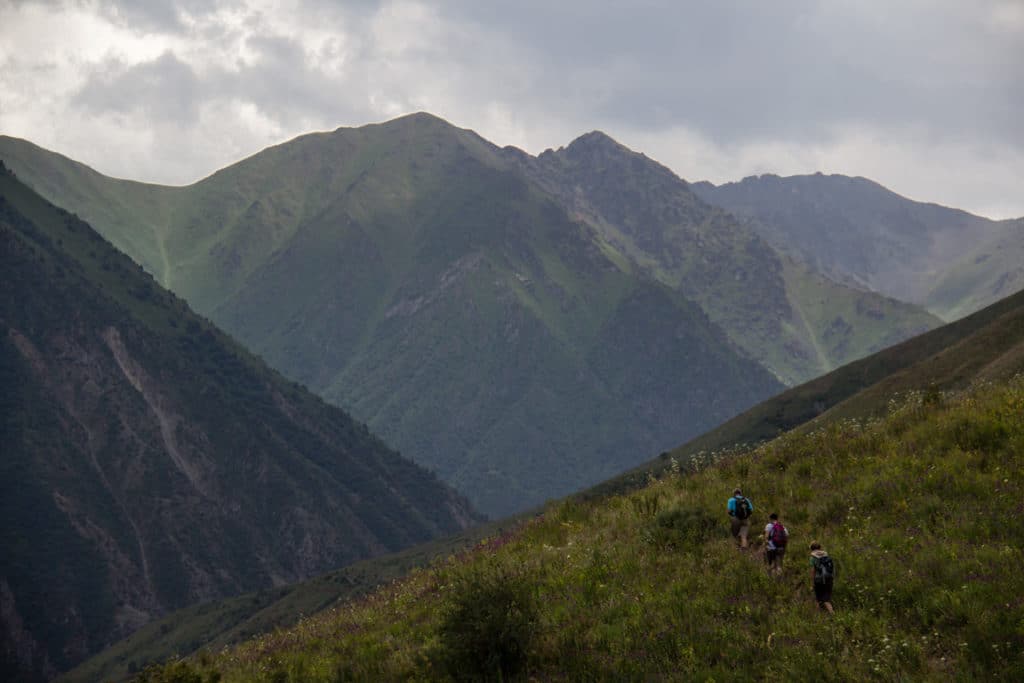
<point x="912" y="507"/>
<point x="149" y="462"/>
<point x="409" y="273"/>
<point x="221" y="623"/>
<point x="796" y="322"/>
<point x="857" y="231"/>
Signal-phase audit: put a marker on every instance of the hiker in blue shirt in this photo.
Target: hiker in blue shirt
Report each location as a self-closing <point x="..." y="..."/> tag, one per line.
<point x="740" y="509"/>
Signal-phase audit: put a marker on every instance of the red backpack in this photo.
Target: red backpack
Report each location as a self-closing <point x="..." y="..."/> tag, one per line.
<point x="778" y="535"/>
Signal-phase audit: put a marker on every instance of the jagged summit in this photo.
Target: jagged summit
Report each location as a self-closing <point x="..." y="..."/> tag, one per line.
<point x="416" y="118"/>
<point x="597" y="140"/>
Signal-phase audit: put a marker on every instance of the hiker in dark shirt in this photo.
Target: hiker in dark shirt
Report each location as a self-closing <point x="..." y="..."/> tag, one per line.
<point x="776" y="536"/>
<point x="740" y="509"/>
<point x="823" y="572"/>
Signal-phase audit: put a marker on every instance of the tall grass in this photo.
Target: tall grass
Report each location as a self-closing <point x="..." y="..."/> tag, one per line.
<point x="922" y="511"/>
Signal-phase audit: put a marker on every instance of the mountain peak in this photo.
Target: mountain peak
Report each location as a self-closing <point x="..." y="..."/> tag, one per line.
<point x="596" y="139"/>
<point x="415" y="120"/>
<point x="421" y="118"/>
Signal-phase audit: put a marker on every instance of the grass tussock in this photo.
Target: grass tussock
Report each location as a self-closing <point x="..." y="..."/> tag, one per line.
<point x="921" y="510"/>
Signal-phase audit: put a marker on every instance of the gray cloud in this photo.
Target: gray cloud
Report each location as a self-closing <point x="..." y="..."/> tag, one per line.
<point x="150" y="15"/>
<point x="736" y="70"/>
<point x="774" y="86"/>
<point x="165" y="89"/>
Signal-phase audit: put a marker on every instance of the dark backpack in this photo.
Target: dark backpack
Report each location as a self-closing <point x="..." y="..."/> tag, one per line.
<point x="824" y="570"/>
<point x="742" y="508"/>
<point x="778" y="535"/>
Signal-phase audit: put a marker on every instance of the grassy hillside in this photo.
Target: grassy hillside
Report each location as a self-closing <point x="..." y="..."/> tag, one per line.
<point x="150" y="462"/>
<point x="913" y="506"/>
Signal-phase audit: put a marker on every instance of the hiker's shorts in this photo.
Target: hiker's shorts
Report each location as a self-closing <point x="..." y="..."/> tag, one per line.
<point x="740" y="528"/>
<point x="823" y="591"/>
<point x="774" y="556"/>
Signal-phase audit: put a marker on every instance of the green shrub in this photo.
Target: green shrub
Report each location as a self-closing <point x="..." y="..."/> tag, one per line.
<point x="683" y="526"/>
<point x="176" y="671"/>
<point x="979" y="433"/>
<point x="646" y="504"/>
<point x="487" y="622"/>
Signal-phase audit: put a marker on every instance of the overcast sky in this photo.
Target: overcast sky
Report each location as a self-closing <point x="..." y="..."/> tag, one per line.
<point x="924" y="96"/>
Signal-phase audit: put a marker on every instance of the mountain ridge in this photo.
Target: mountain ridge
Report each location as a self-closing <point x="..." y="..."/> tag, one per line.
<point x="766" y="301"/>
<point x="383" y="264"/>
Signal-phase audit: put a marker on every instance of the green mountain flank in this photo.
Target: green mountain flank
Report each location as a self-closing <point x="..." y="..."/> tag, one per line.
<point x="914" y="507"/>
<point x="854" y="230"/>
<point x="985" y="272"/>
<point x="523" y="326"/>
<point x="987" y="346"/>
<point x="149" y="462"/>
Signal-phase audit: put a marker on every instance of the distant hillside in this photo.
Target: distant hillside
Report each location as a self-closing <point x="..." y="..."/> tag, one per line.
<point x="985" y="272"/>
<point x="520" y="338"/>
<point x="149" y="462"/>
<point x="796" y="322"/>
<point x="857" y="231"/>
<point x="913" y="508"/>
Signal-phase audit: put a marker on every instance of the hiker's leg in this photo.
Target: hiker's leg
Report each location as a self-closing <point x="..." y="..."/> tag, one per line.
<point x="737" y="524"/>
<point x="823" y="592"/>
<point x="744" y="530"/>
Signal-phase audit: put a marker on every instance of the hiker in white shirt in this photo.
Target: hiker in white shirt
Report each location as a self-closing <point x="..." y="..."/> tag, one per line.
<point x="776" y="536"/>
